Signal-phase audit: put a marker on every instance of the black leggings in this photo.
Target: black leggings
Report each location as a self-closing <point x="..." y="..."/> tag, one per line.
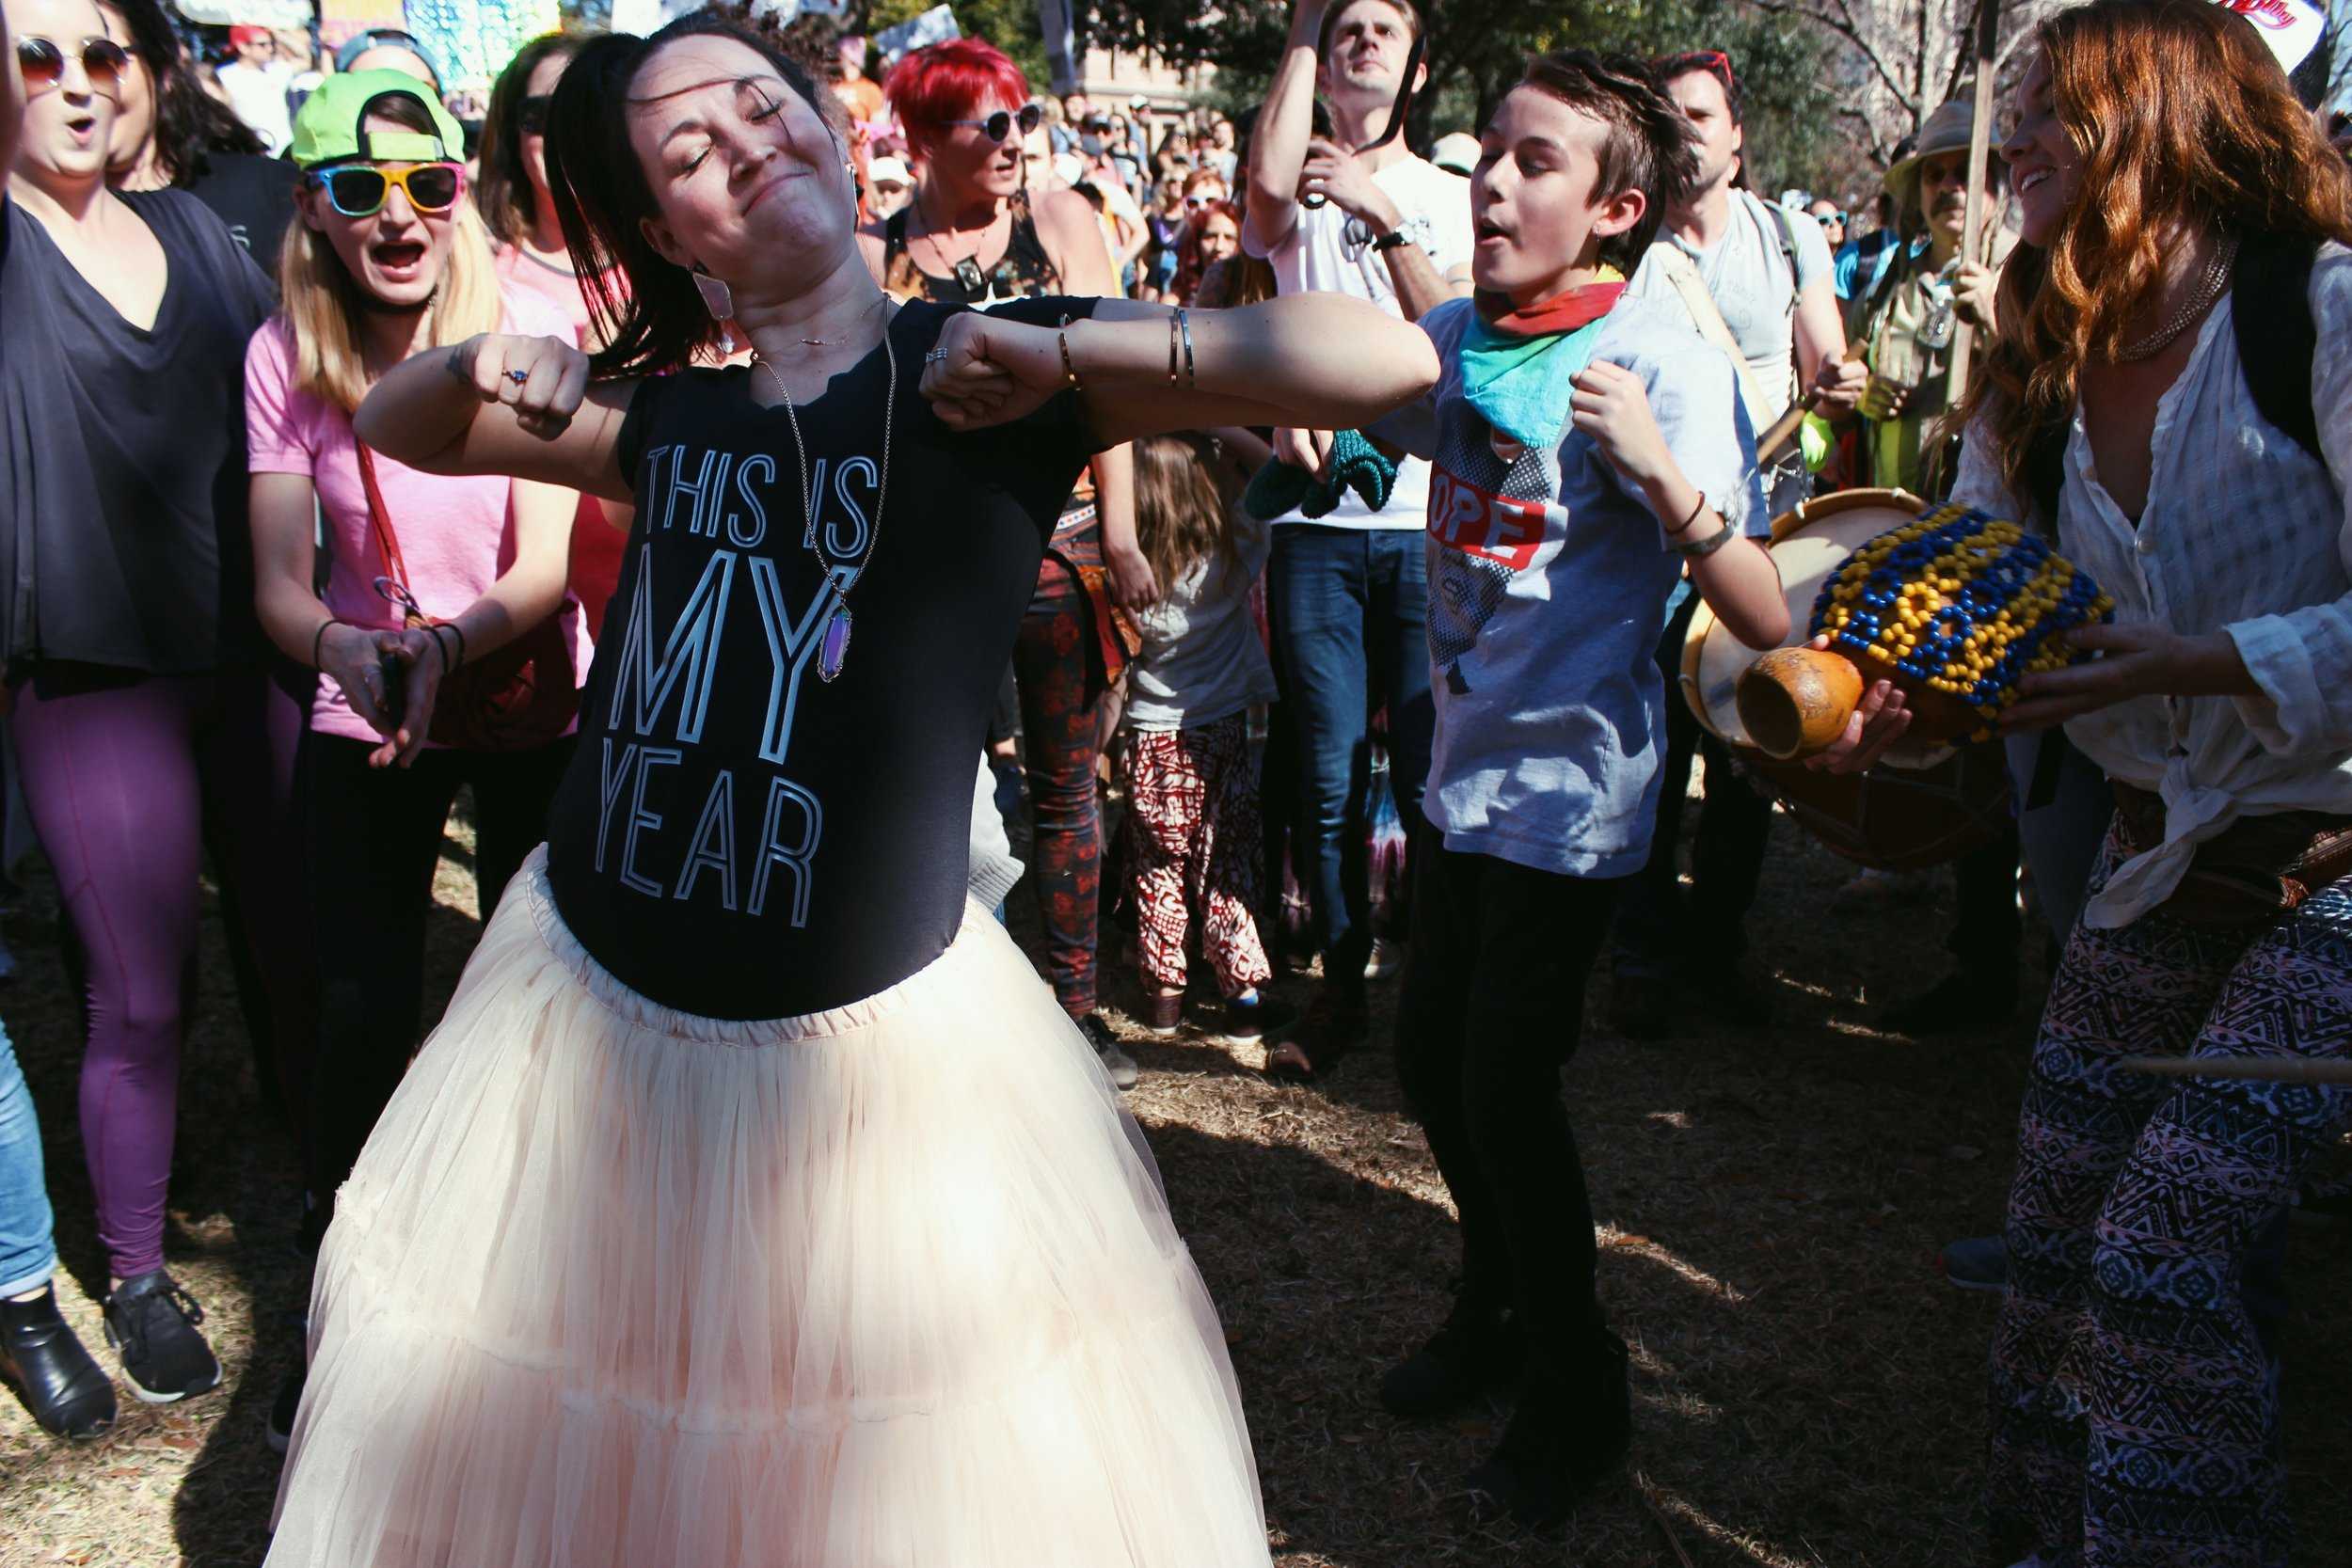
<point x="374" y="838"/>
<point x="1492" y="1005"/>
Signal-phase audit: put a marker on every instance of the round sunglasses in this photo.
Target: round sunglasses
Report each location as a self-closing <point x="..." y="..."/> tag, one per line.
<point x="999" y="125"/>
<point x="44" y="63"/>
<point x="361" y="190"/>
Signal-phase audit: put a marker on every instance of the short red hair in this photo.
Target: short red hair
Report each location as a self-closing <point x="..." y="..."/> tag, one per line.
<point x="948" y="81"/>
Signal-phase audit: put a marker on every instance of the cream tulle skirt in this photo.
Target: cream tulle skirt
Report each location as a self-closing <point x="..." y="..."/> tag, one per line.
<point x="892" y="1286"/>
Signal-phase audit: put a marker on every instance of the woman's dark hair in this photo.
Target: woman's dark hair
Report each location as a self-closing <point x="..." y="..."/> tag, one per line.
<point x="190" y="123"/>
<point x="648" y="311"/>
<point x="502" y="190"/>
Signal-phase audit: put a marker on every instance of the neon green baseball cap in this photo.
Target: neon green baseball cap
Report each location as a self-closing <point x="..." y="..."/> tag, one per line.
<point x="327" y="131"/>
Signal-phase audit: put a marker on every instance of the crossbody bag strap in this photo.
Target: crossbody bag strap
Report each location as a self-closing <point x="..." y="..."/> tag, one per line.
<point x="1692" y="288"/>
<point x="380" y="520"/>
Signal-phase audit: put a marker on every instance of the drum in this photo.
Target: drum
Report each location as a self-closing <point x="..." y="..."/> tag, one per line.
<point x="1922" y="806"/>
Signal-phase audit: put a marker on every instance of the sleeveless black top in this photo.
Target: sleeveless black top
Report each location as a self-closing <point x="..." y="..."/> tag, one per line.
<point x="1024" y="271"/>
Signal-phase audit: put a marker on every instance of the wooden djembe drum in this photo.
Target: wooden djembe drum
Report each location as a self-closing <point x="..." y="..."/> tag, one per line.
<point x="1954" y="607"/>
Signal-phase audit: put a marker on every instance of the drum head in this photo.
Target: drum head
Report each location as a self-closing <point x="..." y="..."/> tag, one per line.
<point x="1809" y="544"/>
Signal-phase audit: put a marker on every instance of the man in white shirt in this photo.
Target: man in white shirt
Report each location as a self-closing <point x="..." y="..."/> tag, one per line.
<point x="256" y="82"/>
<point x="1757" y="281"/>
<point x="1347" y="593"/>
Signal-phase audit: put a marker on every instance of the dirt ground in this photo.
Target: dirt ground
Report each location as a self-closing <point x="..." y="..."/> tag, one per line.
<point x="1810" y="1393"/>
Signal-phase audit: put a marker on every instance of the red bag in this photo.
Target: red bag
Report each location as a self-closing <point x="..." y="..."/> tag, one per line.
<point x="513" y="699"/>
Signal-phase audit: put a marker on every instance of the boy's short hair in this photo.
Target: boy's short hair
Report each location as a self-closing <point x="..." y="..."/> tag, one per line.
<point x="1648" y="141"/>
<point x="1331" y="18"/>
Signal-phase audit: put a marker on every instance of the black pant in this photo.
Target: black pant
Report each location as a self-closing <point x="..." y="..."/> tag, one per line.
<point x="1492" y="1004"/>
<point x="1986" y="926"/>
<point x="1735" y="823"/>
<point x="374" y="838"/>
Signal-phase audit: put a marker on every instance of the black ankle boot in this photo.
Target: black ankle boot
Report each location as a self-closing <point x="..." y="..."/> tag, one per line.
<point x="64" y="1388"/>
<point x="1479" y="1349"/>
<point x="1570" y="1433"/>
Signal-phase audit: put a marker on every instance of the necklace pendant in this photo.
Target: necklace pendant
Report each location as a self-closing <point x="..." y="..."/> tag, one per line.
<point x="834" y="650"/>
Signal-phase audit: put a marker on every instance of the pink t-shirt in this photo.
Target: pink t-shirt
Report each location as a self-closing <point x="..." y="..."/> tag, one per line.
<point x="516" y="266"/>
<point x="455" y="534"/>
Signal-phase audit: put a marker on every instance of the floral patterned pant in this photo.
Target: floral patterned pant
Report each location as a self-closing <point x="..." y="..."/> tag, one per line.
<point x="2134" y="1413"/>
<point x="1195" y="810"/>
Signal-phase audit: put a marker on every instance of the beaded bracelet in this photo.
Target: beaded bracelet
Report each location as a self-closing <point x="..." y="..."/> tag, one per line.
<point x="1069" y="371"/>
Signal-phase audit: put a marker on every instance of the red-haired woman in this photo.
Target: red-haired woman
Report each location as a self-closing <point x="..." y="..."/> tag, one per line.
<point x="974" y="235"/>
<point x="1212" y="234"/>
<point x="2170" y="390"/>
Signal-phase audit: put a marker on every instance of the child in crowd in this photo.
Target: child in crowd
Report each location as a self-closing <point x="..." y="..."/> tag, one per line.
<point x="1191" y="785"/>
<point x="1587" y="448"/>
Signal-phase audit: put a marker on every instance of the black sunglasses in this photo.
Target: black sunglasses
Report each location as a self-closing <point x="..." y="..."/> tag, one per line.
<point x="44" y="63"/>
<point x="533" y="115"/>
<point x="999" y="125"/>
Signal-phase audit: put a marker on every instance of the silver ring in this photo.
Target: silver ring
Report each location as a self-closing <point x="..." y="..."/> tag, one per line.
<point x="935" y="356"/>
<point x="518" y="377"/>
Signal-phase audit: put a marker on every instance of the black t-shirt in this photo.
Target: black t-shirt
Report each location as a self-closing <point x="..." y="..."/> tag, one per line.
<point x="254" y="196"/>
<point x="737" y="837"/>
<point x="122" y="462"/>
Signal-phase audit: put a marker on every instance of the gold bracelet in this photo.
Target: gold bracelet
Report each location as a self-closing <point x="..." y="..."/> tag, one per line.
<point x="1069" y="371"/>
<point x="1174" y="320"/>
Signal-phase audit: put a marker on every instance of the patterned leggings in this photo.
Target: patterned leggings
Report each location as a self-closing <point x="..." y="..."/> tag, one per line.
<point x="1060" y="695"/>
<point x="2134" y="1414"/>
<point x="1196" y="853"/>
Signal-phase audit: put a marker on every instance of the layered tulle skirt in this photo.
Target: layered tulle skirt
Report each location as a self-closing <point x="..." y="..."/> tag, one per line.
<point x="887" y="1286"/>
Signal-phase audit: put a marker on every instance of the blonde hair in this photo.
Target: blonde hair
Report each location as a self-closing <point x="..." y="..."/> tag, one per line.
<point x="320" y="304"/>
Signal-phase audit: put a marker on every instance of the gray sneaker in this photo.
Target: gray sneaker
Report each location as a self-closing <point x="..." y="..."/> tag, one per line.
<point x="1116" y="1063"/>
<point x="1978" y="1264"/>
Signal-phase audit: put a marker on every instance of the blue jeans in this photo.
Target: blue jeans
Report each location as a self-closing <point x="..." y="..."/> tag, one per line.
<point x="1348" y="611"/>
<point x="27" y="1256"/>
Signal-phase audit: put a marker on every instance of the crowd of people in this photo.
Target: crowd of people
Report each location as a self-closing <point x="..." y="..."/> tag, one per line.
<point x="1296" y="543"/>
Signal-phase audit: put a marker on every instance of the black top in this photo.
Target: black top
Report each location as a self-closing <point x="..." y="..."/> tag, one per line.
<point x="737" y="837"/>
<point x="122" y="464"/>
<point x="254" y="196"/>
<point x="1022" y="271"/>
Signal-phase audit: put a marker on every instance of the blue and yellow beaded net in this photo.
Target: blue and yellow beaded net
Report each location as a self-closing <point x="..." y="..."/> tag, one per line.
<point x="1961" y="603"/>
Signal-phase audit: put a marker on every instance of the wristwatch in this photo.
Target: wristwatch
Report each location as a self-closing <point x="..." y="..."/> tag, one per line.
<point x="1391" y="240"/>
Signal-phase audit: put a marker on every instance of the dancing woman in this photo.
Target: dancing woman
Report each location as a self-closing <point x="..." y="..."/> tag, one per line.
<point x="2147" y="409"/>
<point x="754" y="1203"/>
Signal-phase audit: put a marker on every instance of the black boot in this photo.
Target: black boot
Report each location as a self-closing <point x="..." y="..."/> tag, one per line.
<point x="64" y="1388"/>
<point x="1479" y="1349"/>
<point x="1568" y="1434"/>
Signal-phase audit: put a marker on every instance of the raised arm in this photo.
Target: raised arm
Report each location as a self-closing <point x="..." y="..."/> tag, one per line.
<point x="1317" y="361"/>
<point x="1278" y="148"/>
<point x="501" y="404"/>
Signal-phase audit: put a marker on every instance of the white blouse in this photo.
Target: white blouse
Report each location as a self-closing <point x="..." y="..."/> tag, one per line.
<point x="2246" y="533"/>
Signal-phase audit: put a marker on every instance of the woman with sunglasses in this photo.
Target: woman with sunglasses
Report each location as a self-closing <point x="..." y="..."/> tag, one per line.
<point x="142" y="710"/>
<point x="520" y="211"/>
<point x="973" y="235"/>
<point x="170" y="133"/>
<point x="388" y="261"/>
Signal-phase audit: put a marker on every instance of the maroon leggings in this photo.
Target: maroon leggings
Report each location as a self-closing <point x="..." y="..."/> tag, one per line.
<point x="1059" y="695"/>
<point x="128" y="777"/>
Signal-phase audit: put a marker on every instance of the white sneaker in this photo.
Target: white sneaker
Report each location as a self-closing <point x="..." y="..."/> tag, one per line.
<point x="1387" y="958"/>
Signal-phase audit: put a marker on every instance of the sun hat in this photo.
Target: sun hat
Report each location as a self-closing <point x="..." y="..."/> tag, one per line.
<point x="891" y="171"/>
<point x="1946" y="131"/>
<point x="327" y="128"/>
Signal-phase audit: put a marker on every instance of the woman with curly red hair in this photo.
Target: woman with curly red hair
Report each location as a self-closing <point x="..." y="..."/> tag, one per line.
<point x="1212" y="234"/>
<point x="975" y="234"/>
<point x="2169" y="391"/>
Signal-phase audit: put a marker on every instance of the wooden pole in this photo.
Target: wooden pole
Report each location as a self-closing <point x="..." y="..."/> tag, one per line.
<point x="2248" y="1069"/>
<point x="1979" y="156"/>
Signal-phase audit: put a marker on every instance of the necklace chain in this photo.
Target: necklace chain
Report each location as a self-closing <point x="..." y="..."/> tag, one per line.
<point x="808" y="492"/>
<point x="836" y="342"/>
<point x="2208" y="289"/>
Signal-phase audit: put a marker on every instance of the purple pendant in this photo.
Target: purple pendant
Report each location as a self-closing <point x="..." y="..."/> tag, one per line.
<point x="834" y="650"/>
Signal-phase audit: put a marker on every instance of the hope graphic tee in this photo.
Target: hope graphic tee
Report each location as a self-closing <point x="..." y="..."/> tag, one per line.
<point x="737" y="837"/>
<point x="1547" y="578"/>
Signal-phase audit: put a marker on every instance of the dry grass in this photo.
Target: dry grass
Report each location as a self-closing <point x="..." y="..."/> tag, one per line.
<point x="1810" y="1394"/>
